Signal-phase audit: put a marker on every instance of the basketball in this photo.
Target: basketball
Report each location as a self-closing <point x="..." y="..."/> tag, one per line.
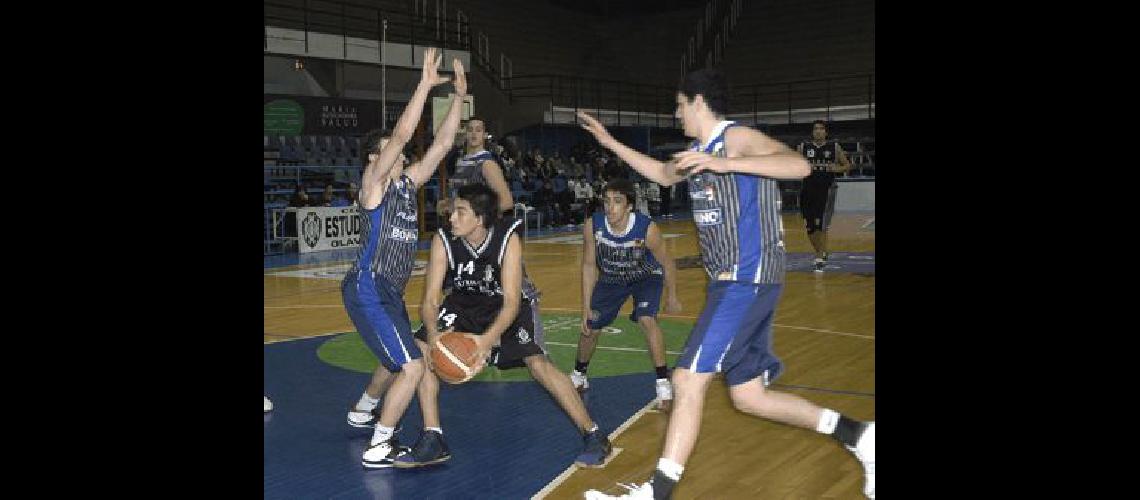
<point x="453" y="358"/>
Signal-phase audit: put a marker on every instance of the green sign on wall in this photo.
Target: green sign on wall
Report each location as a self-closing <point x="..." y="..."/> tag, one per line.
<point x="283" y="117"/>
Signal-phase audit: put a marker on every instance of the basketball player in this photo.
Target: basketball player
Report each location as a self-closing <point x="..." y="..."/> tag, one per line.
<point x="480" y="259"/>
<point x="731" y="172"/>
<point x="623" y="255"/>
<point x="817" y="197"/>
<point x="374" y="286"/>
<point x="477" y="166"/>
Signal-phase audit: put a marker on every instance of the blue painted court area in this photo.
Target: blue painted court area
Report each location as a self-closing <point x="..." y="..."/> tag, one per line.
<point x="508" y="439"/>
<point x="838" y="262"/>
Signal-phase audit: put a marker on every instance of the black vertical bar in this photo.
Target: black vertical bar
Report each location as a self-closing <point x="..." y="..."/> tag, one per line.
<point x="306" y="11"/>
<point x="827" y="101"/>
<point x="870" y="93"/>
<point x="619" y="103"/>
<point x="789" y="103"/>
<point x="755" y="115"/>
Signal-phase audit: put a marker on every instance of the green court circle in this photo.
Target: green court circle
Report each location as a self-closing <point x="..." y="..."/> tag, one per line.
<point x="621" y="350"/>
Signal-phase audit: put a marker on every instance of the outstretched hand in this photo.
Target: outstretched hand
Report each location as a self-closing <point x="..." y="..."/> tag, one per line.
<point x="432" y="61"/>
<point x="595" y="128"/>
<point x="460" y="77"/>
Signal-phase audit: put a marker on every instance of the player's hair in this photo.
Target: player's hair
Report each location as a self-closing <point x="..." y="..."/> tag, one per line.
<point x="710" y="83"/>
<point x="484" y="202"/>
<point x="624" y="187"/>
<point x="371" y="143"/>
<point x="819" y="122"/>
<point x="473" y="118"/>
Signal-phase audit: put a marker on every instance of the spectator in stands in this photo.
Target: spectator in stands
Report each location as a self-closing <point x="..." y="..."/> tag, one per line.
<point x="653" y="196"/>
<point x="328" y="197"/>
<point x="300" y="197"/>
<point x="543" y="200"/>
<point x="350" y="194"/>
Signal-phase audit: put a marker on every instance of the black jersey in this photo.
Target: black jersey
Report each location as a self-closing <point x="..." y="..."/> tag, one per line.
<point x="477" y="270"/>
<point x="820" y="157"/>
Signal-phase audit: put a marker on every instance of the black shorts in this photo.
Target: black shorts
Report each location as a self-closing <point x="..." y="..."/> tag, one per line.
<point x="473" y="314"/>
<point x="817" y="203"/>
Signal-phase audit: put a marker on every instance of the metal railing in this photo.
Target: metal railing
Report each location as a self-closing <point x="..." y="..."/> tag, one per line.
<point x="824" y="94"/>
<point x="349" y="19"/>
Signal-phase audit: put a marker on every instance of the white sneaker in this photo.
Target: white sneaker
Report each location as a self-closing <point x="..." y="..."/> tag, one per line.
<point x="579" y="380"/>
<point x="268" y="404"/>
<point x="664" y="394"/>
<point x="643" y="491"/>
<point x="864" y="450"/>
<point x="379" y="455"/>
<point x="360" y="418"/>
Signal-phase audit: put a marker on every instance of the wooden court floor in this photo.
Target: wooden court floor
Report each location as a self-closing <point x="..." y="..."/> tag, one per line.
<point x="824" y="333"/>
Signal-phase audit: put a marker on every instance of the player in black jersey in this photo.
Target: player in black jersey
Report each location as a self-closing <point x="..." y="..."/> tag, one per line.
<point x="480" y="259"/>
<point x="817" y="197"/>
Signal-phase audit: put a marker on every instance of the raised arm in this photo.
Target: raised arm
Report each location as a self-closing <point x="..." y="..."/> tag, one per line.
<point x="660" y="172"/>
<point x="422" y="170"/>
<point x="375" y="178"/>
<point x="748" y="151"/>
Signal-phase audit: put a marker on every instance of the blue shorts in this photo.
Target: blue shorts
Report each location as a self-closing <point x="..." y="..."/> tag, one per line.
<point x="607" y="298"/>
<point x="733" y="335"/>
<point x="378" y="313"/>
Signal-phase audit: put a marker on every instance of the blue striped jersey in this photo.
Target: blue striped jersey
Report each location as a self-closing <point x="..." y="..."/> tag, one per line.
<point x="389" y="235"/>
<point x="468" y="170"/>
<point x="621" y="254"/>
<point x="738" y="220"/>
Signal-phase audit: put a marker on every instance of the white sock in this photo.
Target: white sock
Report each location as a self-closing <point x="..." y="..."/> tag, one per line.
<point x="828" y="419"/>
<point x="366" y="403"/>
<point x="671" y="469"/>
<point x="592" y="429"/>
<point x="437" y="429"/>
<point x="382" y="434"/>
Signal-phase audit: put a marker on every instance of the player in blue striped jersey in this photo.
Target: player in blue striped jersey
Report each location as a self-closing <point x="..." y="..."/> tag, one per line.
<point x="731" y="171"/>
<point x="477" y="166"/>
<point x="373" y="288"/>
<point x="623" y="255"/>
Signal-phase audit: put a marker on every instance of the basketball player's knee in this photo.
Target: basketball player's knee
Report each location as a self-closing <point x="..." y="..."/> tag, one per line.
<point x="414" y="368"/>
<point x="647" y="322"/>
<point x="752" y="403"/>
<point x="686" y="384"/>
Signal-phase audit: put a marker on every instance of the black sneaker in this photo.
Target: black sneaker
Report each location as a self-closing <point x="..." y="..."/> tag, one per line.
<point x="819" y="265"/>
<point x="429" y="449"/>
<point x="597" y="449"/>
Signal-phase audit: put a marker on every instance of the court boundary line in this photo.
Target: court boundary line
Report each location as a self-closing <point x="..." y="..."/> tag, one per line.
<point x="561" y="478"/>
<point x="338" y="332"/>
